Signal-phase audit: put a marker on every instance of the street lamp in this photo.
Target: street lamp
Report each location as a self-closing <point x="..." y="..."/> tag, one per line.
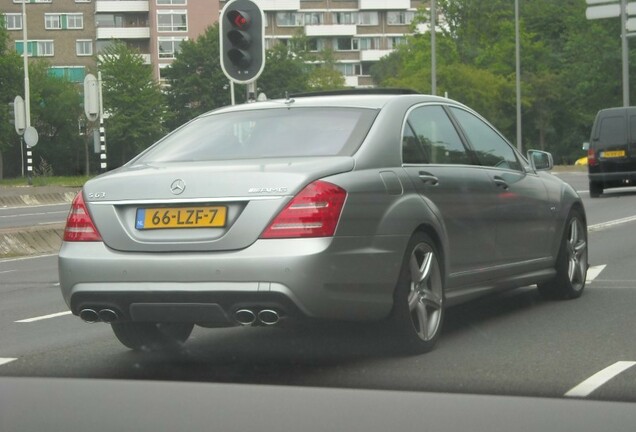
<point x="518" y="74"/>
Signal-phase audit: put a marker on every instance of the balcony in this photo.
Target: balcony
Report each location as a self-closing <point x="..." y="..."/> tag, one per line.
<point x="123" y="32"/>
<point x="279" y="5"/>
<point x="121" y="6"/>
<point x="384" y="4"/>
<point x="330" y="30"/>
<point x="351" y="81"/>
<point x="373" y="55"/>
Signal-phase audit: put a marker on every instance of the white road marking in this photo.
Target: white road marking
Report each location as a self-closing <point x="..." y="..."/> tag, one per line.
<point x="593" y="272"/>
<point x="608" y="224"/>
<point x="599" y="378"/>
<point x="6" y="271"/>
<point x="33" y="214"/>
<point x="5" y="360"/>
<point x="26" y="258"/>
<point x="43" y="317"/>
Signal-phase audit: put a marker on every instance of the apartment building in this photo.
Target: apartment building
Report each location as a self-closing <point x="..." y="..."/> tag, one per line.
<point x="359" y="32"/>
<point x="68" y="33"/>
<point x="59" y="31"/>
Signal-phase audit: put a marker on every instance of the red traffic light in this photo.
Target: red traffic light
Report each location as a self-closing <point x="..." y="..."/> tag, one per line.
<point x="239" y="19"/>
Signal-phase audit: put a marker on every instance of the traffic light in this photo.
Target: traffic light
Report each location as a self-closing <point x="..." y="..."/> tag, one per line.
<point x="242" y="44"/>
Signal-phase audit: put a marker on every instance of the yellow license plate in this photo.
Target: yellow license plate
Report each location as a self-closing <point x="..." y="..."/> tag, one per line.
<point x="181" y="217"/>
<point x="613" y="154"/>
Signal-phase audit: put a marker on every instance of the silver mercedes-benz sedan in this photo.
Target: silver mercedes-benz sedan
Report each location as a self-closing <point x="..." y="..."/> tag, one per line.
<point x="355" y="207"/>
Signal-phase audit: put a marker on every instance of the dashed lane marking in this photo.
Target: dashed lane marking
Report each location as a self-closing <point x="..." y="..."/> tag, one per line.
<point x="608" y="224"/>
<point x="5" y="360"/>
<point x="598" y="379"/>
<point x="43" y="317"/>
<point x="593" y="272"/>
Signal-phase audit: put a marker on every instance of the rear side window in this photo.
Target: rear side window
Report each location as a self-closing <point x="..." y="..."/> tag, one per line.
<point x="265" y="133"/>
<point x="612" y="132"/>
<point x="430" y="137"/>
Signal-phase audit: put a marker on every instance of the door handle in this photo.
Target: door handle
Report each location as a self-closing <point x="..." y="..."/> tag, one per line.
<point x="500" y="183"/>
<point x="428" y="178"/>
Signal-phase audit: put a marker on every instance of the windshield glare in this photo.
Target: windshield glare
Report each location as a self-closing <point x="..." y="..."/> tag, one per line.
<point x="267" y="133"/>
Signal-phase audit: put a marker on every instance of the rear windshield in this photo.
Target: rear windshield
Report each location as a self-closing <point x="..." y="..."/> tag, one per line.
<point x="612" y="131"/>
<point x="265" y="133"/>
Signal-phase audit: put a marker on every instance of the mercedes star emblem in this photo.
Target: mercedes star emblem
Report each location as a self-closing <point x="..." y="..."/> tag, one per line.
<point x="177" y="187"/>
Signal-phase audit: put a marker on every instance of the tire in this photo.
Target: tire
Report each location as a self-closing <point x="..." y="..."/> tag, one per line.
<point x="418" y="309"/>
<point x="571" y="264"/>
<point x="152" y="336"/>
<point x="596" y="189"/>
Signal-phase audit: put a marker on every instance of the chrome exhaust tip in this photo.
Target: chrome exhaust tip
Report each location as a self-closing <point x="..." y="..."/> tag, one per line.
<point x="268" y="317"/>
<point x="89" y="315"/>
<point x="108" y="315"/>
<point x="245" y="317"/>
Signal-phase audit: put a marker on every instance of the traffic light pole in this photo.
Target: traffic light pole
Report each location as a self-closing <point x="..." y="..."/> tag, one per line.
<point x="251" y="92"/>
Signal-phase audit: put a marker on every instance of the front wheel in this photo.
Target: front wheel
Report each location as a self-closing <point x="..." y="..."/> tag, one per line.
<point x="571" y="265"/>
<point x="152" y="336"/>
<point x="418" y="309"/>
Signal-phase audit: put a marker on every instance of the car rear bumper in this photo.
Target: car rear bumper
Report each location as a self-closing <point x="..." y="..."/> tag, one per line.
<point x="612" y="173"/>
<point x="348" y="278"/>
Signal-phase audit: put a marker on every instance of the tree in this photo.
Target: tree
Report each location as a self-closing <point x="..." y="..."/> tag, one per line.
<point x="11" y="85"/>
<point x="55" y="111"/>
<point x="324" y="75"/>
<point x="285" y="71"/>
<point x="196" y="81"/>
<point x="570" y="67"/>
<point x="133" y="101"/>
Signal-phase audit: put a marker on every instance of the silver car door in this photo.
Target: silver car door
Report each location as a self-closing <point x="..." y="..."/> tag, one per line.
<point x="441" y="170"/>
<point x="524" y="212"/>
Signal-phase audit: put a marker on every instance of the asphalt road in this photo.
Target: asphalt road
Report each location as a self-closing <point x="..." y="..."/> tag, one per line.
<point x="510" y="344"/>
<point x="17" y="217"/>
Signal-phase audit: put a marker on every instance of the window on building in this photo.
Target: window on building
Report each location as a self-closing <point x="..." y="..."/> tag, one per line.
<point x="168" y="47"/>
<point x="13" y="21"/>
<point x="349" y="69"/>
<point x="345" y="18"/>
<point x="84" y="47"/>
<point x="346" y="44"/>
<point x="368" y="18"/>
<point x="75" y="21"/>
<point x="294" y="19"/>
<point x="172" y="21"/>
<point x="315" y="44"/>
<point x="72" y="21"/>
<point x="172" y="2"/>
<point x="314" y="18"/>
<point x="52" y="21"/>
<point x="69" y="73"/>
<point x="369" y="43"/>
<point x="394" y="41"/>
<point x="400" y="17"/>
<point x="36" y="48"/>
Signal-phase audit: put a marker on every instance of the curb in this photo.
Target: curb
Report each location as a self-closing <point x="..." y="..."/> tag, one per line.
<point x="36" y="240"/>
<point x="38" y="199"/>
<point x="31" y="241"/>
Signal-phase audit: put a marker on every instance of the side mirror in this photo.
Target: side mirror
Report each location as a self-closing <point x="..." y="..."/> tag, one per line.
<point x="586" y="146"/>
<point x="540" y="160"/>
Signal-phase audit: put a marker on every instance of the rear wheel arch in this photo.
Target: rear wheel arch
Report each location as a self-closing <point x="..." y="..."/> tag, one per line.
<point x="439" y="245"/>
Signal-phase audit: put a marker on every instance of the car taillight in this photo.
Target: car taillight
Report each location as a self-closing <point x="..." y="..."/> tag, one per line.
<point x="591" y="157"/>
<point x="79" y="225"/>
<point x="314" y="212"/>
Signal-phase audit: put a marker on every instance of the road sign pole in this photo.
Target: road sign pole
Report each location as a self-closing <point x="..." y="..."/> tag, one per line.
<point x="625" y="53"/>
<point x="29" y="165"/>
<point x="103" y="162"/>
